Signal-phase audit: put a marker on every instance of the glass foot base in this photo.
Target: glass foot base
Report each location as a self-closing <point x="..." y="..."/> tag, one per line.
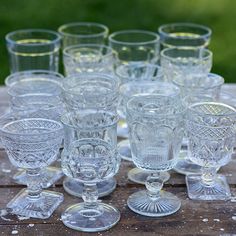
<point x="75" y="188"/>
<point x="41" y="208"/>
<point x="142" y="204"/>
<point x="186" y="166"/>
<point x="122" y="129"/>
<point x="199" y="191"/>
<point x="80" y="218"/>
<point x="124" y="150"/>
<point x="49" y="176"/>
<point x="139" y="176"/>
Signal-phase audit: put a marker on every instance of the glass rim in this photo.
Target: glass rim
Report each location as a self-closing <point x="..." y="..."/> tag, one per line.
<point x="113" y="79"/>
<point x="65" y="119"/>
<point x="133" y="31"/>
<point x="191" y="108"/>
<point x="219" y="79"/>
<point x="93" y="35"/>
<point x="204" y="50"/>
<point x="22" y="74"/>
<point x="66" y="49"/>
<point x="187" y="24"/>
<point x="2" y="127"/>
<point x="50" y="32"/>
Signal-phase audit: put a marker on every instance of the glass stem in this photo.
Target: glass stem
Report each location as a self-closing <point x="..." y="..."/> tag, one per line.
<point x="90" y="195"/>
<point x="154" y="184"/>
<point x="34" y="185"/>
<point x="208" y="176"/>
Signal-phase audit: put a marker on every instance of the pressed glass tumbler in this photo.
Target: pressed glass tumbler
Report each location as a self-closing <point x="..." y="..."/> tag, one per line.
<point x="90" y="156"/>
<point x="83" y="33"/>
<point x="185" y="35"/>
<point x="33" y="49"/>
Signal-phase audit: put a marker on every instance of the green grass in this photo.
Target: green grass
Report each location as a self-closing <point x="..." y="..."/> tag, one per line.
<point x="126" y="14"/>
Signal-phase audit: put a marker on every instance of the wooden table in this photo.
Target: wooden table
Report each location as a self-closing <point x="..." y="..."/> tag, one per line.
<point x="194" y="217"/>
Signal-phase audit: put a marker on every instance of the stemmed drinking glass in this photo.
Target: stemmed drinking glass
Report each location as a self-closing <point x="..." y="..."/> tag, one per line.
<point x="90" y="156"/>
<point x="133" y="48"/>
<point x="185" y="35"/>
<point x="156" y="130"/>
<point x="96" y="91"/>
<point x="211" y="131"/>
<point x="83" y="33"/>
<point x="32" y="144"/>
<point x="88" y="58"/>
<point x="33" y="49"/>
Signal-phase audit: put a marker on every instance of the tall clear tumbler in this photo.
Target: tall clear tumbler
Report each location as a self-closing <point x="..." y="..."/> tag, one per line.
<point x="184" y="35"/>
<point x="90" y="156"/>
<point x="156" y="131"/>
<point x="83" y="33"/>
<point x="95" y="91"/>
<point x="33" y="49"/>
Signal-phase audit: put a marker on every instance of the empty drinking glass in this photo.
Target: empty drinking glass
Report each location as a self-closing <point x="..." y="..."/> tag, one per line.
<point x="88" y="58"/>
<point x="185" y="35"/>
<point x="83" y="33"/>
<point x="134" y="48"/>
<point x="186" y="62"/>
<point x="90" y="156"/>
<point x="156" y="131"/>
<point x="211" y="131"/>
<point x="32" y="144"/>
<point x="195" y="90"/>
<point x="33" y="49"/>
<point x="96" y="91"/>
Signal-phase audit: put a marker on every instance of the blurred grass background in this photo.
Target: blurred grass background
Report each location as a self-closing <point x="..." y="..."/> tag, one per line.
<point x="219" y="15"/>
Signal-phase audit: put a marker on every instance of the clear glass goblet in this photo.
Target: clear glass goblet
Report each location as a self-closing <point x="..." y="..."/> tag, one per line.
<point x="90" y="156"/>
<point x="32" y="144"/>
<point x="84" y="58"/>
<point x="211" y="131"/>
<point x="90" y="91"/>
<point x="186" y="62"/>
<point x="156" y="130"/>
<point x="83" y="33"/>
<point x="195" y="90"/>
<point x="129" y="89"/>
<point x="185" y="35"/>
<point x="40" y="105"/>
<point x="33" y="49"/>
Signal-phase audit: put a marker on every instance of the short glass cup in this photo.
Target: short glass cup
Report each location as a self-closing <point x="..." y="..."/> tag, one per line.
<point x="96" y="91"/>
<point x="156" y="130"/>
<point x="83" y="33"/>
<point x="211" y="131"/>
<point x="35" y="81"/>
<point x="195" y="90"/>
<point x="32" y="144"/>
<point x="84" y="58"/>
<point x="135" y="47"/>
<point x="90" y="156"/>
<point x="33" y="49"/>
<point x="185" y="35"/>
<point x="186" y="62"/>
